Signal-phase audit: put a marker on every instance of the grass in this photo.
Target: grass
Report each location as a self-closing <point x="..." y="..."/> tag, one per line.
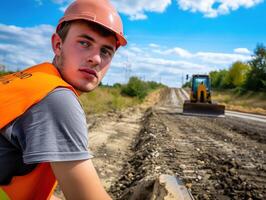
<point x="249" y="101"/>
<point x="106" y="99"/>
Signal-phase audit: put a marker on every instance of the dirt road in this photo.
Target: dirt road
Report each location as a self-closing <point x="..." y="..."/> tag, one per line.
<point x="217" y="158"/>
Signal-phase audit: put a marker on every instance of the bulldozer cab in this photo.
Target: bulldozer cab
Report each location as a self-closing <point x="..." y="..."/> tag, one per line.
<point x="200" y="79"/>
<point x="200" y="89"/>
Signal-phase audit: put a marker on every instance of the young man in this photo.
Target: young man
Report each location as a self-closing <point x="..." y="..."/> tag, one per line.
<point x="43" y="127"/>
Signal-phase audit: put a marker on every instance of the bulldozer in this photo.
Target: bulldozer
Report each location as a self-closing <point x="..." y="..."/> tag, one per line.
<point x="200" y="102"/>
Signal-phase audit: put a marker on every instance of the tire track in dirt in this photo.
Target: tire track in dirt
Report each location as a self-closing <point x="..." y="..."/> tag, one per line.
<point x="216" y="162"/>
<point x="215" y="158"/>
<point x="218" y="159"/>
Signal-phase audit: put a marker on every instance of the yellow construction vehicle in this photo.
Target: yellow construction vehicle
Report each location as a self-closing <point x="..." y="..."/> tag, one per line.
<point x="200" y="102"/>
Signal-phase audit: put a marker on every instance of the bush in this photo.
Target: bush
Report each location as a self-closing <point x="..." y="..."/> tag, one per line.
<point x="135" y="87"/>
<point x="117" y="85"/>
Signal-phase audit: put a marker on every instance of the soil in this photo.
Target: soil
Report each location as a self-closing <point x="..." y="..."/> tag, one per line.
<point x="216" y="158"/>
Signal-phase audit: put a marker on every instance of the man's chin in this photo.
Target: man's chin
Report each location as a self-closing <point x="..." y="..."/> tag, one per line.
<point x="88" y="88"/>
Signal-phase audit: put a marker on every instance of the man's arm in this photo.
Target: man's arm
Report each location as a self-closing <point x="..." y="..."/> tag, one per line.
<point x="79" y="180"/>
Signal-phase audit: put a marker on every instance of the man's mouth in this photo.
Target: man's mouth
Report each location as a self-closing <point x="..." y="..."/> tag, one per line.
<point x="89" y="71"/>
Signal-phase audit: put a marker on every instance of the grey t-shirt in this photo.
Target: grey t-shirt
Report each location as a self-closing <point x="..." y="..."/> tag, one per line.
<point x="55" y="129"/>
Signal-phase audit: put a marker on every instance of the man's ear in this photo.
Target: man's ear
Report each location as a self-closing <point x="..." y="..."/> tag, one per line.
<point x="56" y="44"/>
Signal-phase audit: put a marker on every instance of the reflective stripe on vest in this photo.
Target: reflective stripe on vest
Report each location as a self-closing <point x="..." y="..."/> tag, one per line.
<point x="18" y="92"/>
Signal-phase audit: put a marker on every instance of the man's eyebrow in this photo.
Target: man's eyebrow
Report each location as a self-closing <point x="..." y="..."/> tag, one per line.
<point x="87" y="37"/>
<point x="93" y="40"/>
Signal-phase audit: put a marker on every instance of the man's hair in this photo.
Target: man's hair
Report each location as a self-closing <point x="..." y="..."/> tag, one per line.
<point x="65" y="26"/>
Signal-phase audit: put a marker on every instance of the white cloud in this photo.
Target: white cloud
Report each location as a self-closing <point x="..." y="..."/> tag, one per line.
<point x="214" y="8"/>
<point x="125" y="53"/>
<point x="220" y="58"/>
<point x="207" y="57"/>
<point x="242" y="51"/>
<point x="162" y="64"/>
<point x="154" y="45"/>
<point x="175" y="51"/>
<point x="23" y="47"/>
<point x="136" y="49"/>
<point x="152" y="67"/>
<point x="63" y="4"/>
<point x="169" y="64"/>
<point x="136" y="9"/>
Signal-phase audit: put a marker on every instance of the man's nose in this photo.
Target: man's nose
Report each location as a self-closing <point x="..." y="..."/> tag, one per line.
<point x="94" y="58"/>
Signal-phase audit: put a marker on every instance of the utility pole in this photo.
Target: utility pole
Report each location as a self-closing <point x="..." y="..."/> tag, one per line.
<point x="127" y="70"/>
<point x="182" y="79"/>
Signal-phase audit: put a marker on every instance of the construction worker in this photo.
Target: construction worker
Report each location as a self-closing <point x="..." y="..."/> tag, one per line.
<point x="43" y="127"/>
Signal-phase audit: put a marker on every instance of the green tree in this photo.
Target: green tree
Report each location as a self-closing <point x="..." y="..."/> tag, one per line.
<point x="256" y="78"/>
<point x="238" y="73"/>
<point x="227" y="81"/>
<point x="219" y="79"/>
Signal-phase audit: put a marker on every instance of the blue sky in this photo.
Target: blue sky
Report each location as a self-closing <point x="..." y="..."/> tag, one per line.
<point x="166" y="38"/>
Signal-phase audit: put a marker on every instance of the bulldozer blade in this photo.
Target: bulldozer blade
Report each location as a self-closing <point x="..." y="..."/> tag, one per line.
<point x="203" y="109"/>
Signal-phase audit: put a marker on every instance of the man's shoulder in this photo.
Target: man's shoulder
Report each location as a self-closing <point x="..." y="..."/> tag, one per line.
<point x="62" y="92"/>
<point x="60" y="99"/>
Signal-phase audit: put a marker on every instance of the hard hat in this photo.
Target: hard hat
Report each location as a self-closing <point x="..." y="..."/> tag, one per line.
<point x="98" y="11"/>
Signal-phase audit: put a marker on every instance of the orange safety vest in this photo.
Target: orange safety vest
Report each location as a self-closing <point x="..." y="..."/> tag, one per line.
<point x="18" y="92"/>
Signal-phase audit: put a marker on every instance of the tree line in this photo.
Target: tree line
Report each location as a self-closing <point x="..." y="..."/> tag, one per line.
<point x="249" y="75"/>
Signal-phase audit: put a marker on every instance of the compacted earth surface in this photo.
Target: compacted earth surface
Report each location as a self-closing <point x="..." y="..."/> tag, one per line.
<point x="216" y="158"/>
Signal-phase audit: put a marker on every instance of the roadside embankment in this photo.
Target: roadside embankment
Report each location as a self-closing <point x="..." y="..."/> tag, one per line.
<point x="249" y="102"/>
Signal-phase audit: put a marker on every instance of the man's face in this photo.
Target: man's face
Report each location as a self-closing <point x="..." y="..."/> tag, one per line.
<point x="84" y="57"/>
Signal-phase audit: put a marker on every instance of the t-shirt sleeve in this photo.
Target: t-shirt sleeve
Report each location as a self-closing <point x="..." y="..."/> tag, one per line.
<point x="55" y="129"/>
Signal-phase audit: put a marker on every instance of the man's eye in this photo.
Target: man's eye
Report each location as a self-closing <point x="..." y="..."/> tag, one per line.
<point x="106" y="52"/>
<point x="83" y="43"/>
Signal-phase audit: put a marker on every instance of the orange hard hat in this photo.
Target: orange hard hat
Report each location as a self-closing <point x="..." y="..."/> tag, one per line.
<point x="98" y="11"/>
